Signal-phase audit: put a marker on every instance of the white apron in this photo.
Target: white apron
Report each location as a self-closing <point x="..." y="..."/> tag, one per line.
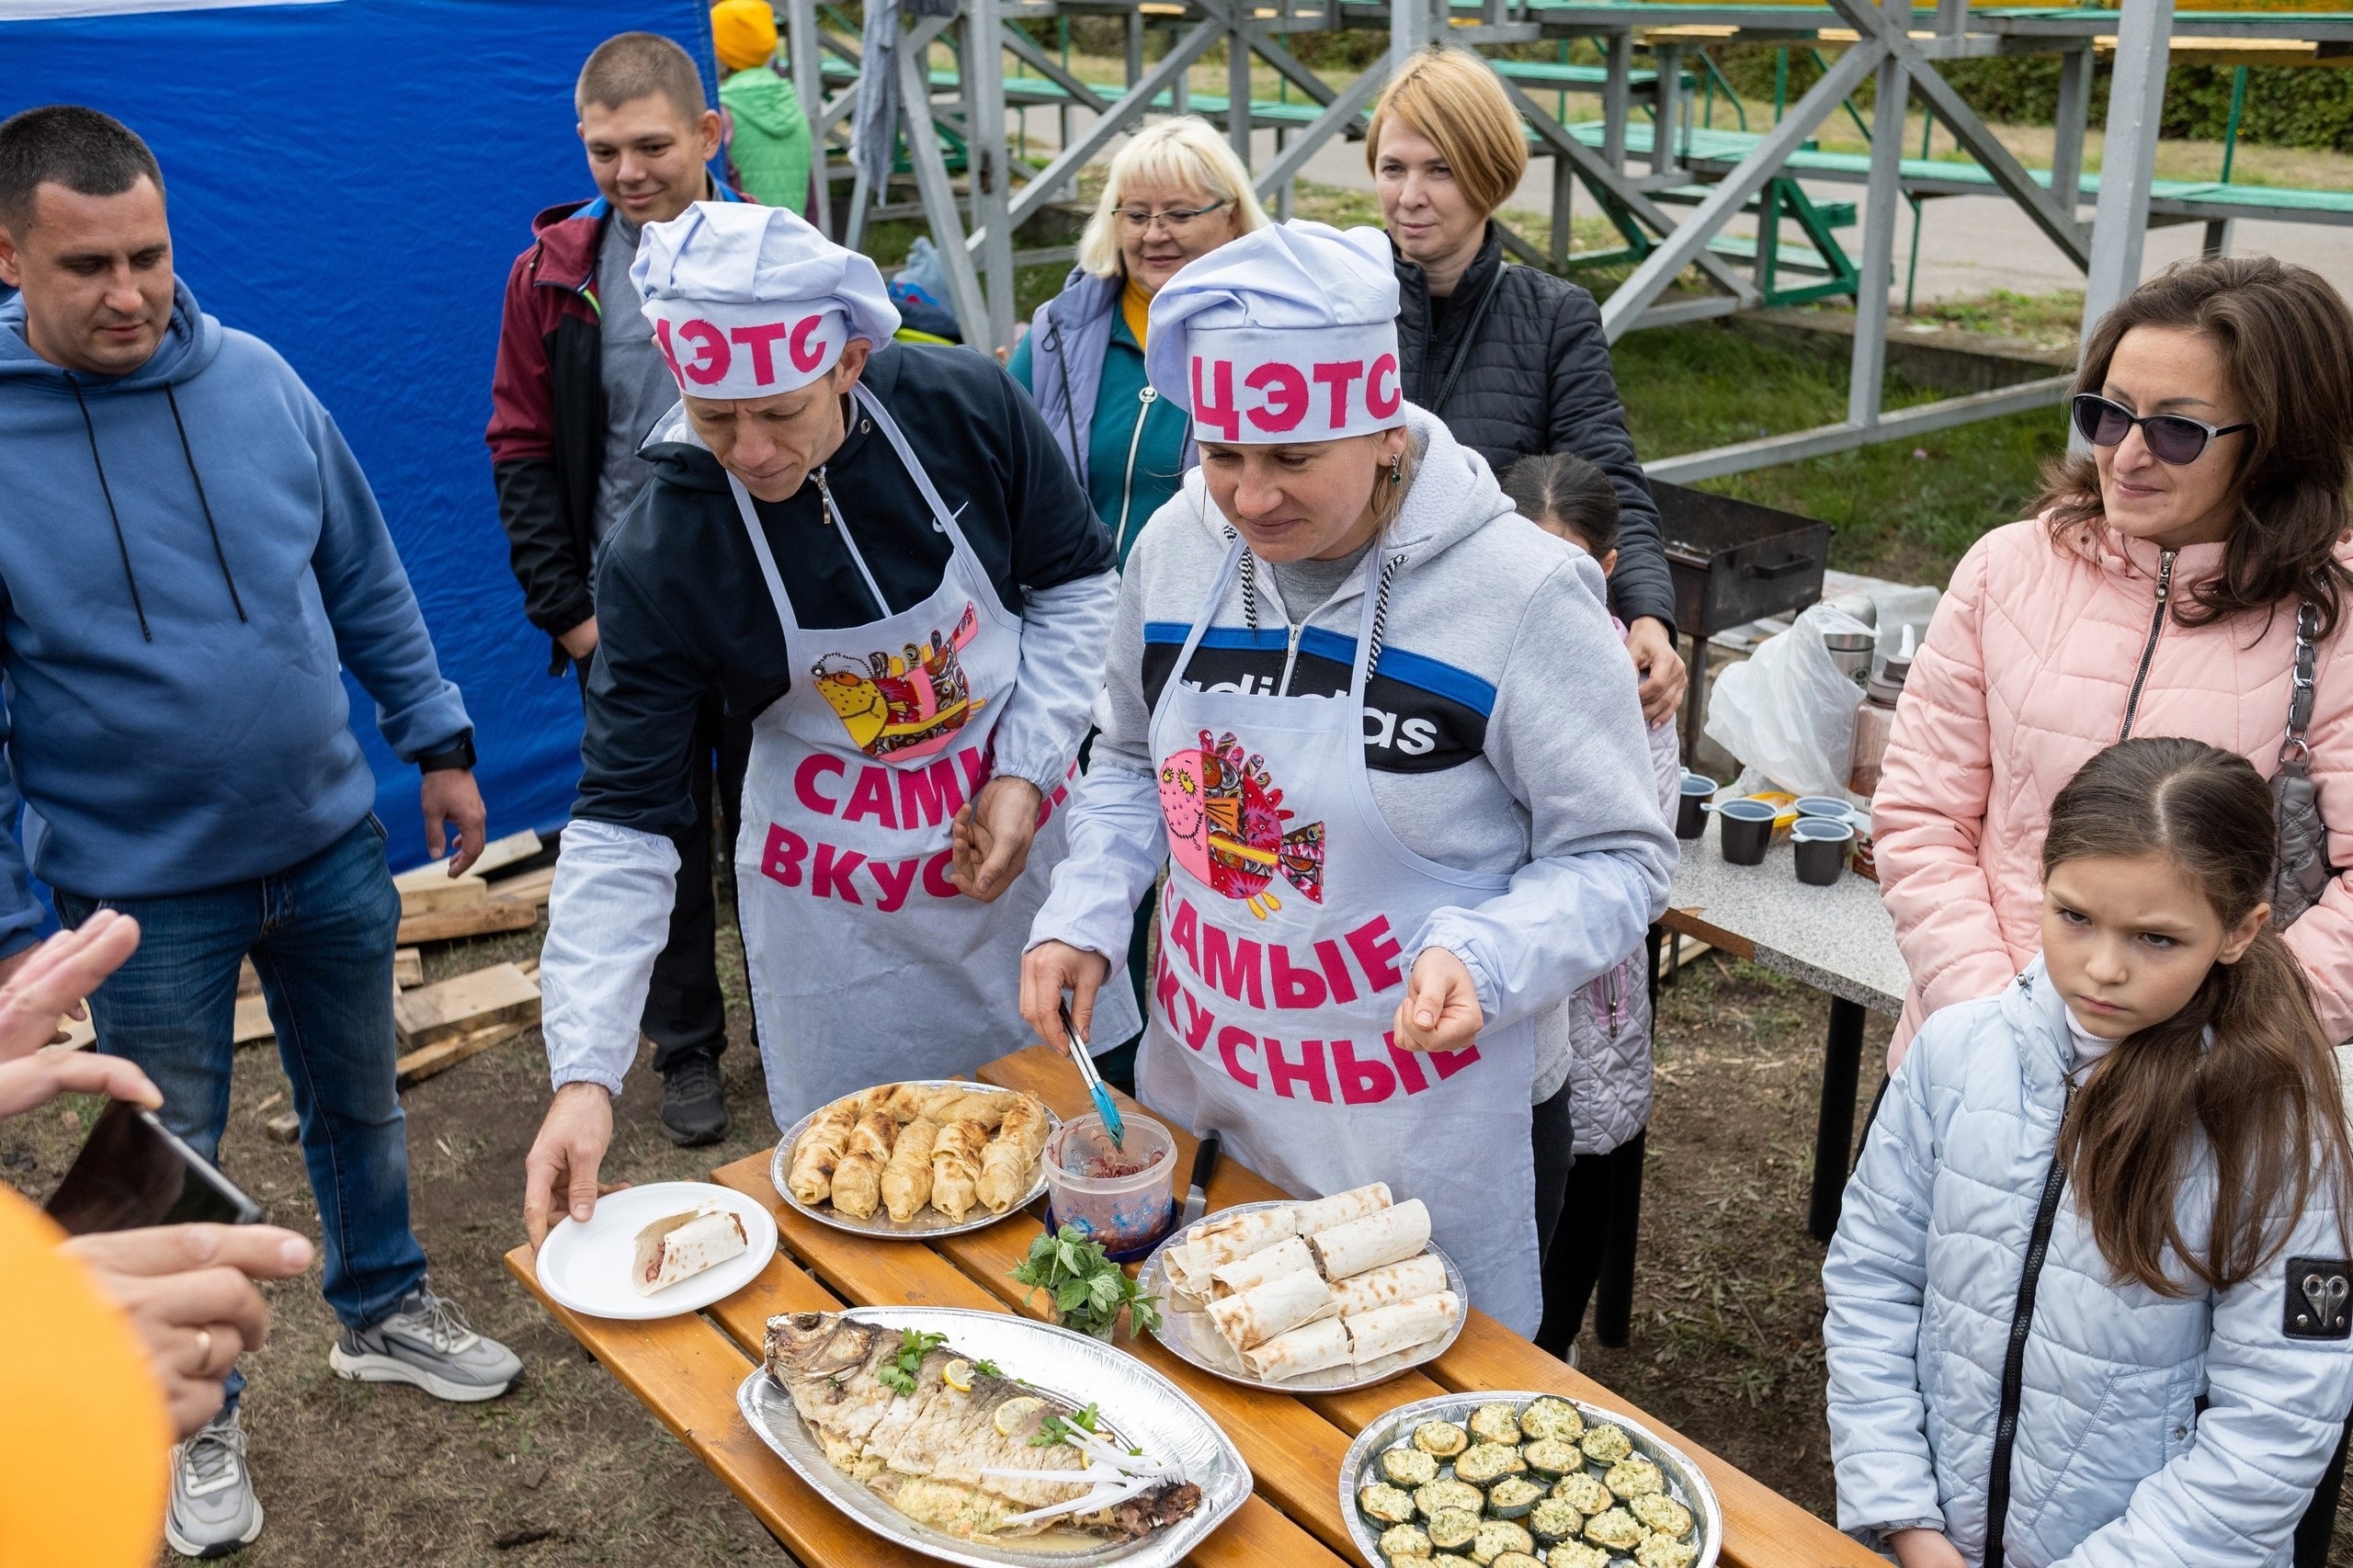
<point x="1281" y="964"/>
<point x="867" y="965"/>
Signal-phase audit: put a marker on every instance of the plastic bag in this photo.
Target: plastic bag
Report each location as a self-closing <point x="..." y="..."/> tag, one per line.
<point x="1789" y="711"/>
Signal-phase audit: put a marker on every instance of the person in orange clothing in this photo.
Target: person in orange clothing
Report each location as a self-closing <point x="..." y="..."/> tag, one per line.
<point x="135" y="1330"/>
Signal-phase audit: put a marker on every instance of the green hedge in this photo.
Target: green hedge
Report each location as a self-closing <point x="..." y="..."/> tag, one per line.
<point x="2285" y="106"/>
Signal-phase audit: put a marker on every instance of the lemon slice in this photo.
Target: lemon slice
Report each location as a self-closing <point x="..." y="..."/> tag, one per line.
<point x="958" y="1375"/>
<point x="1013" y="1413"/>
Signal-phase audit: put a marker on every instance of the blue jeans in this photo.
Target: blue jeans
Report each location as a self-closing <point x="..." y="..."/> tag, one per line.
<point x="320" y="933"/>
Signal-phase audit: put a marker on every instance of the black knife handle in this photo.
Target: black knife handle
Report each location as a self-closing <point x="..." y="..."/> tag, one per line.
<point x="1205" y="1162"/>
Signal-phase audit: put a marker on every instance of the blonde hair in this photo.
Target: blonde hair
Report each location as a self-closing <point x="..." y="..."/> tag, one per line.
<point x="1186" y="151"/>
<point x="1450" y="95"/>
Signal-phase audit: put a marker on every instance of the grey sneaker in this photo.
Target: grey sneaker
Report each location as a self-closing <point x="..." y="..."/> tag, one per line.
<point x="426" y="1341"/>
<point x="214" y="1509"/>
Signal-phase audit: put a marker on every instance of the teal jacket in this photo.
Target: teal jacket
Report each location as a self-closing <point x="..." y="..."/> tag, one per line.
<point x="1137" y="449"/>
<point x="767" y="138"/>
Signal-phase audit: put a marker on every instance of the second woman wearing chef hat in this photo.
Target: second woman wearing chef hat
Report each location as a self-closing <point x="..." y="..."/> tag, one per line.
<point x="1378" y="730"/>
<point x="874" y="551"/>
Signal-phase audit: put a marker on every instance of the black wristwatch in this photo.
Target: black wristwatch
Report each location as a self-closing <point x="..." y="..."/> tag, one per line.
<point x="458" y="752"/>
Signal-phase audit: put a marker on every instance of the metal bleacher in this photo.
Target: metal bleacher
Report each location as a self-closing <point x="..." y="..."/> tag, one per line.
<point x="1669" y="194"/>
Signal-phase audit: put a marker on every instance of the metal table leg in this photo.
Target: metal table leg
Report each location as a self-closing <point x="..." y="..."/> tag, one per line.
<point x="1842" y="1061"/>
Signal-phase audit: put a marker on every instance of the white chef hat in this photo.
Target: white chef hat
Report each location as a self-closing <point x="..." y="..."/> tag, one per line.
<point x="748" y="301"/>
<point x="1289" y="333"/>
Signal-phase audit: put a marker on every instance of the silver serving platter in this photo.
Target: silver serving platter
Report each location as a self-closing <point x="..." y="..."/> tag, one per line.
<point x="1685" y="1482"/>
<point x="929" y="1223"/>
<point x="1144" y="1409"/>
<point x="1188" y="1329"/>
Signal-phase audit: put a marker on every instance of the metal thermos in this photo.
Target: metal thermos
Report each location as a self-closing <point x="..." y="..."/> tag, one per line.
<point x="1875" y="719"/>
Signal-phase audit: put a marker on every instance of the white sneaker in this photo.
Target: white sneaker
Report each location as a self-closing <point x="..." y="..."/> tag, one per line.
<point x="214" y="1509"/>
<point x="426" y="1342"/>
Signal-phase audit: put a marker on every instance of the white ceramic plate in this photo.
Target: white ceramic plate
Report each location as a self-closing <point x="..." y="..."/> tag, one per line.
<point x="1186" y="1328"/>
<point x="587" y="1266"/>
<point x="1137" y="1402"/>
<point x="929" y="1223"/>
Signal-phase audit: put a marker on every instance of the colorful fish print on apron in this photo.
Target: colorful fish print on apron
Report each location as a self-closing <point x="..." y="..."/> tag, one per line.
<point x="1281" y="962"/>
<point x="867" y="965"/>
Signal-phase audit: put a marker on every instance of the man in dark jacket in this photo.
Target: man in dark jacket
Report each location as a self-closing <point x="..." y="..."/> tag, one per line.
<point x="579" y="384"/>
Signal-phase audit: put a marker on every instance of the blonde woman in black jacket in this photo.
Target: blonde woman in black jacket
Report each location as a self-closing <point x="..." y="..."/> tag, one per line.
<point x="1512" y="358"/>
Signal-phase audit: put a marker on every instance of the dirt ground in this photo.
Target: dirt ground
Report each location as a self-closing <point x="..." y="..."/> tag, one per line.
<point x="568" y="1469"/>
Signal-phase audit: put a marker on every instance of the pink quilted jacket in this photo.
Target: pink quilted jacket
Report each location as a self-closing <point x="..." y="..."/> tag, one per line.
<point x="2031" y="667"/>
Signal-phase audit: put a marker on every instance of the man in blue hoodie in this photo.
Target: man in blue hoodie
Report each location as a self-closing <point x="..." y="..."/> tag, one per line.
<point x="189" y="554"/>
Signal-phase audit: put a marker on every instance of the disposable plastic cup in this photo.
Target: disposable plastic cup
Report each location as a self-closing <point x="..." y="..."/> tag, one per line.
<point x="1747" y="827"/>
<point x="1122" y="1195"/>
<point x="1691" y="813"/>
<point x="1821" y="849"/>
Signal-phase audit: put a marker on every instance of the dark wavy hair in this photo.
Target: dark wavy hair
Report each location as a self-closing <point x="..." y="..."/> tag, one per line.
<point x="2264" y="1095"/>
<point x="2287" y="344"/>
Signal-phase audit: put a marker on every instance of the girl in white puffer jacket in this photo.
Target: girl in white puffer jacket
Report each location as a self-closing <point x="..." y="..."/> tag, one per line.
<point x="2088" y="1301"/>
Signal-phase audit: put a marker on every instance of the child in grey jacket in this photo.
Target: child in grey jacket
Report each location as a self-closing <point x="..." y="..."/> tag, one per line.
<point x="2088" y="1297"/>
<point x="1608" y="1021"/>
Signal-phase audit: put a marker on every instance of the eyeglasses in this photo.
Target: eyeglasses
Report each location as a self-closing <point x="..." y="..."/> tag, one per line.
<point x="2174" y="438"/>
<point x="1175" y="219"/>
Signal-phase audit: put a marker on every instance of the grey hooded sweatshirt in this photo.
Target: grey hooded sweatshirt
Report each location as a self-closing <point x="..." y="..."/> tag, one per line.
<point x="1502" y="733"/>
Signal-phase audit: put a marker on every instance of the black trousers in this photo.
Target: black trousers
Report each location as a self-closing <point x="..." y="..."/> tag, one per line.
<point x="686" y="1012"/>
<point x="2318" y="1527"/>
<point x="1598" y="1199"/>
<point x="1555" y="1155"/>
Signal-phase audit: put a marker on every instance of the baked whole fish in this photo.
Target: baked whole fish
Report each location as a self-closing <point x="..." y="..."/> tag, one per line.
<point x="930" y="1452"/>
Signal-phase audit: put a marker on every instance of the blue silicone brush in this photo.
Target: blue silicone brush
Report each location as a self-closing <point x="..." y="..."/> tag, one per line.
<point x="1103" y="1106"/>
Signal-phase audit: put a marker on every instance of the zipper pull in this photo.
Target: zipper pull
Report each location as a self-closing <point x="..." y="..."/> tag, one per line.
<point x="2165" y="576"/>
<point x="825" y="513"/>
<point x="1148" y="396"/>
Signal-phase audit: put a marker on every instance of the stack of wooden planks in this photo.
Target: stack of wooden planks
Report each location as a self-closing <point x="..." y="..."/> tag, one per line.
<point x="442" y="1024"/>
<point x="438" y="907"/>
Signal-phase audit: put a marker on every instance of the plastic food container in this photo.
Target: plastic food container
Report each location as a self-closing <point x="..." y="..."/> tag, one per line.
<point x="1120" y="1196"/>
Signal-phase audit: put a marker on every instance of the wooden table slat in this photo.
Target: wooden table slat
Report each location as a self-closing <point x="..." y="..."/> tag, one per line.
<point x="987" y="1254"/>
<point x="686" y="1372"/>
<point x="1294" y="1456"/>
<point x="1762" y="1529"/>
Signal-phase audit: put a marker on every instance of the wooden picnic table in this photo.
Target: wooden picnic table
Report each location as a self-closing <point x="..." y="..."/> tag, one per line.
<point x="685" y="1369"/>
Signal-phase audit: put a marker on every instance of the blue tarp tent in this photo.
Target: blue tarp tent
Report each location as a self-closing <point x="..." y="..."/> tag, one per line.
<point x="350" y="180"/>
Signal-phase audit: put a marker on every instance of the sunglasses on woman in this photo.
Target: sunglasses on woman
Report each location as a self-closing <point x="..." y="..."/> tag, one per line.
<point x="2173" y="439"/>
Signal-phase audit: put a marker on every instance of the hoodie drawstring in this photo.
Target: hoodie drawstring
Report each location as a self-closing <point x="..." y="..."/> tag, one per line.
<point x="188" y="452"/>
<point x="107" y="491"/>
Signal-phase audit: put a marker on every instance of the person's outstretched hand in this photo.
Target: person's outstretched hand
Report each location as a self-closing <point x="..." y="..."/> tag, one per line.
<point x="1440" y="1010"/>
<point x="561" y="1167"/>
<point x="47" y="983"/>
<point x="991" y="837"/>
<point x="188" y="1290"/>
<point x="1047" y="970"/>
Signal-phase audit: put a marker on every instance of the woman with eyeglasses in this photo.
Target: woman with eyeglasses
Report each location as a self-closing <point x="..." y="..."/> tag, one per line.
<point x="2157" y="593"/>
<point x="1176" y="191"/>
<point x="1512" y="358"/>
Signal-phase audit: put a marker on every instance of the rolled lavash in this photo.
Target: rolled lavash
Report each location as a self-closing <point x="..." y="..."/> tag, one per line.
<point x="1224" y="1239"/>
<point x="1248" y="1273"/>
<point x="1322" y="1213"/>
<point x="1309" y="1348"/>
<point x="1254" y="1316"/>
<point x="1385" y="1331"/>
<point x="1384" y="1236"/>
<point x="1389" y="1284"/>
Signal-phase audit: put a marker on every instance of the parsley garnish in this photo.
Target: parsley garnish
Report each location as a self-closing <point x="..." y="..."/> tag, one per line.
<point x="988" y="1368"/>
<point x="914" y="1346"/>
<point x="1058" y="1429"/>
<point x="1088" y="1288"/>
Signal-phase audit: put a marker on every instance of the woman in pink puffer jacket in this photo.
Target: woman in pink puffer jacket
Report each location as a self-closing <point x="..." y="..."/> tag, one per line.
<point x="2156" y="593"/>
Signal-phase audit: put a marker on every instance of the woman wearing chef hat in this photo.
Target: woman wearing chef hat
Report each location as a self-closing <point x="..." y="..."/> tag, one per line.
<point x="1378" y="730"/>
<point x="874" y="551"/>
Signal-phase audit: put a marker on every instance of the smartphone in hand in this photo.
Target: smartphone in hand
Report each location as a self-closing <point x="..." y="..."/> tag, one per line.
<point x="133" y="1172"/>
